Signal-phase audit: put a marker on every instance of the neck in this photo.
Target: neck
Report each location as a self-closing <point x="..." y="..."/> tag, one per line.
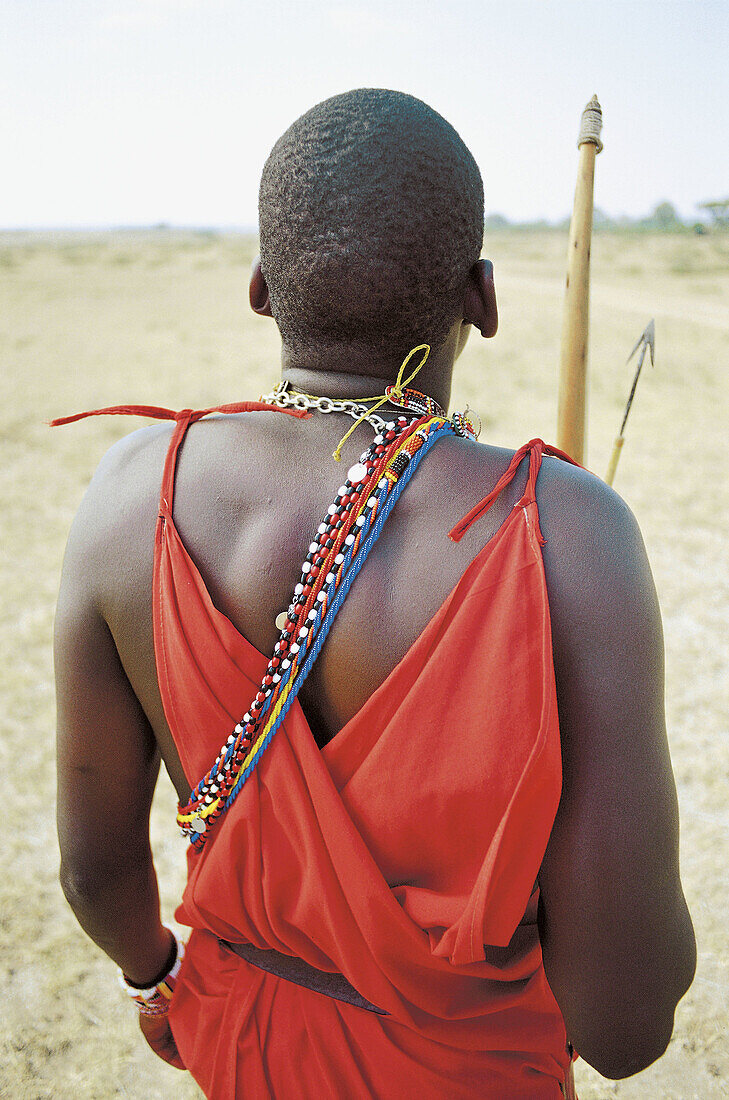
<point x="347" y="379"/>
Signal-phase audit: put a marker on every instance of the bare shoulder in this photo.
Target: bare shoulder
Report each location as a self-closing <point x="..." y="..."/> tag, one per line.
<point x="133" y="463"/>
<point x="580" y="504"/>
<point x="584" y="519"/>
<point x="589" y="528"/>
<point x="595" y="561"/>
<point x="113" y="529"/>
<point x="580" y="512"/>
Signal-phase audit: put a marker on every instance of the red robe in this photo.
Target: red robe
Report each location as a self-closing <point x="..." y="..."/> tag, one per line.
<point x="403" y="855"/>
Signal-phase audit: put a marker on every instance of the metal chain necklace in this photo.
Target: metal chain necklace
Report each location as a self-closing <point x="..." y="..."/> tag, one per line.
<point x="286" y="398"/>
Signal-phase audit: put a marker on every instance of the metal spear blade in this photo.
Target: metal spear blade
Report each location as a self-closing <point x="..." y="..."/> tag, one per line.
<point x="646" y="342"/>
<point x="647" y="337"/>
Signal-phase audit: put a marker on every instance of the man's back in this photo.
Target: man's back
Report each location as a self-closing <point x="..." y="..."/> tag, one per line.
<point x="250" y="491"/>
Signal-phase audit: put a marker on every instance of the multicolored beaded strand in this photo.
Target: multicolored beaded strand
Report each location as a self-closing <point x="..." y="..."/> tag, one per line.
<point x="341" y="524"/>
<point x="341" y="538"/>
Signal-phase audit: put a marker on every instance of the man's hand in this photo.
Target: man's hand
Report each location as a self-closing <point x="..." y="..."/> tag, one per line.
<point x="158" y="1033"/>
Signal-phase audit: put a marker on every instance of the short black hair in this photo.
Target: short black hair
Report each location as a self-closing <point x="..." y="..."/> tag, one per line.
<point x="371" y="216"/>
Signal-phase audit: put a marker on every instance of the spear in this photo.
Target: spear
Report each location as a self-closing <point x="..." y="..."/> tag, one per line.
<point x="646" y="340"/>
<point x="572" y="404"/>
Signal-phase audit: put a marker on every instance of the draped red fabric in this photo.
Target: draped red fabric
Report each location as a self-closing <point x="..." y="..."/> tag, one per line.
<point x="158" y="412"/>
<point x="403" y="855"/>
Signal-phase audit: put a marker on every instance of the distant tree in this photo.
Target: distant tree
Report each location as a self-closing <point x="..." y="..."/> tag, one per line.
<point x="719" y="210"/>
<point x="665" y="217"/>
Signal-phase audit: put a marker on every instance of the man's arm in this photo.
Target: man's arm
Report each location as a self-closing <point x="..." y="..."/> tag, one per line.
<point x="619" y="950"/>
<point x="108" y="763"/>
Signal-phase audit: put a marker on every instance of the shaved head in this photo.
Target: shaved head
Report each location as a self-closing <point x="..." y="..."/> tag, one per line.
<point x="371" y="216"/>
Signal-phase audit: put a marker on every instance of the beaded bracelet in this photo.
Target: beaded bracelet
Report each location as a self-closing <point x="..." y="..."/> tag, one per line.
<point x="155" y="1000"/>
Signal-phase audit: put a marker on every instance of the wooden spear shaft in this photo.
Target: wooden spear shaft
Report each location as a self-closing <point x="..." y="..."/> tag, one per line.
<point x="572" y="402"/>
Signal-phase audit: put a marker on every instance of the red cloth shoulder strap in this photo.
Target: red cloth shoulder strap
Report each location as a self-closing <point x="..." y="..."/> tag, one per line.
<point x="183" y="418"/>
<point x="158" y="412"/>
<point x="536" y="449"/>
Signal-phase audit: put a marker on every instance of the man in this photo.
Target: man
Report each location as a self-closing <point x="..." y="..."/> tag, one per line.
<point x="366" y="919"/>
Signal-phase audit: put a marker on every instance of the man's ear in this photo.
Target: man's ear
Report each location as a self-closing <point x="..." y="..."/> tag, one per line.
<point x="479" y="304"/>
<point x="258" y="291"/>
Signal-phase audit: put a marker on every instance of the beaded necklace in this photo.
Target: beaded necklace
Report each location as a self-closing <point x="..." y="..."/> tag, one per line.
<point x="341" y="544"/>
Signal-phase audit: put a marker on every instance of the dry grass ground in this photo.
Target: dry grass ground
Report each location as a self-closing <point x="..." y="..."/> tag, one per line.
<point x="162" y="318"/>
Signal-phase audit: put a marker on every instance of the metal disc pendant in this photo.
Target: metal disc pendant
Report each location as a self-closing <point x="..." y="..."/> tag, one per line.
<point x="281" y="620"/>
<point x="357" y="473"/>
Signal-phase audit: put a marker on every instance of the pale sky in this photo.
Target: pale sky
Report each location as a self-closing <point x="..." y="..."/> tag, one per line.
<point x="134" y="112"/>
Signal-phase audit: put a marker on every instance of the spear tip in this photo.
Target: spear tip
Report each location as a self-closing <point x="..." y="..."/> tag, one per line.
<point x="650" y="338"/>
<point x="647" y="338"/>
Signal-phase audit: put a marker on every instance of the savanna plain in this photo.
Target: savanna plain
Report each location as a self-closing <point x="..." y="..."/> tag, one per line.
<point x="161" y="318"/>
